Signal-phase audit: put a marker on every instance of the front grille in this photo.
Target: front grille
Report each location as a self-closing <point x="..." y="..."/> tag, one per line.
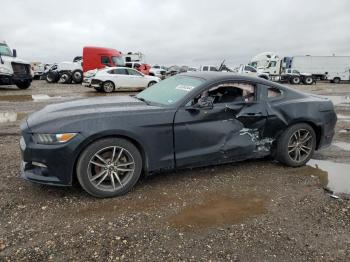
<point x="20" y="69"/>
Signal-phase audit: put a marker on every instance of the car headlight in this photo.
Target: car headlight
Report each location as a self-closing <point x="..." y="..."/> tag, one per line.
<point x="5" y="70"/>
<point x="52" y="139"/>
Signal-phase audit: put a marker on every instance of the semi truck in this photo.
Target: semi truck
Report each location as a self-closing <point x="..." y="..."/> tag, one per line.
<point x="14" y="71"/>
<point x="333" y="68"/>
<point x="93" y="58"/>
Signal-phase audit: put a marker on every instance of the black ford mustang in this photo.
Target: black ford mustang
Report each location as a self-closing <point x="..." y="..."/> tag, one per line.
<point x="188" y="120"/>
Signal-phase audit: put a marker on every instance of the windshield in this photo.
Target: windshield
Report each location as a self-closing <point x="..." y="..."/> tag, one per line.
<point x="117" y="60"/>
<point x="171" y="90"/>
<point x="5" y="50"/>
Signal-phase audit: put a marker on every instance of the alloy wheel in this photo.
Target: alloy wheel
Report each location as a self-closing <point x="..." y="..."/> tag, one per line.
<point x="108" y="87"/>
<point x="300" y="145"/>
<point x="111" y="168"/>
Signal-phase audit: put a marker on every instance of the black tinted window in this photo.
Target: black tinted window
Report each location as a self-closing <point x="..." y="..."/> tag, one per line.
<point x="105" y="60"/>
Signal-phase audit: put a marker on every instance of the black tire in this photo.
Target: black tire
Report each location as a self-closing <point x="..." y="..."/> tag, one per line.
<point x="52" y="77"/>
<point x="284" y="153"/>
<point x="151" y="83"/>
<point x="308" y="80"/>
<point x="108" y="87"/>
<point x="23" y="85"/>
<point x="295" y="80"/>
<point x="336" y="80"/>
<point x="111" y="186"/>
<point x="65" y="78"/>
<point x="77" y="76"/>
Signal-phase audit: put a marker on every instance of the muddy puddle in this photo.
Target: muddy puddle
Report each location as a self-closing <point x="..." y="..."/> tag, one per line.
<point x="335" y="177"/>
<point x="343" y="118"/>
<point x="219" y="210"/>
<point x="342" y="145"/>
<point x="340" y="100"/>
<point x="6" y="117"/>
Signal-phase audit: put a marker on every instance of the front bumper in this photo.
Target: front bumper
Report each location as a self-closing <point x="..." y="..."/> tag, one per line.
<point x="14" y="79"/>
<point x="48" y="164"/>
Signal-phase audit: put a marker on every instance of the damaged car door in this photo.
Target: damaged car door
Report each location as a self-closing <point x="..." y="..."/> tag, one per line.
<point x="222" y="124"/>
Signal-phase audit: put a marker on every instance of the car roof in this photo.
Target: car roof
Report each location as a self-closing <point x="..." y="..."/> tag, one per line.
<point x="211" y="76"/>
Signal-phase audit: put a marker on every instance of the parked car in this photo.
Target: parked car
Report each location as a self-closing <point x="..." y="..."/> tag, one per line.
<point x="188" y="120"/>
<point x="118" y="78"/>
<point x="38" y="69"/>
<point x="251" y="71"/>
<point x="158" y="71"/>
<point x="141" y="67"/>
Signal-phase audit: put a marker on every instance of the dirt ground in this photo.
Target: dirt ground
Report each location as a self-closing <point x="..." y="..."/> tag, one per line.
<point x="248" y="211"/>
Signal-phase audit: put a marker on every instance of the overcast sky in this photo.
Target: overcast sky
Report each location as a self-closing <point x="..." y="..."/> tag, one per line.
<point x="181" y="32"/>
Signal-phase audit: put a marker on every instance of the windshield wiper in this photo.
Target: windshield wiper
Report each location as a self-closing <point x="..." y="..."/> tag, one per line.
<point x="143" y="100"/>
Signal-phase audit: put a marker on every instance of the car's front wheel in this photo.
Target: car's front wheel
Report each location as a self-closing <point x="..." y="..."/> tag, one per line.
<point x="109" y="167"/>
<point x="296" y="145"/>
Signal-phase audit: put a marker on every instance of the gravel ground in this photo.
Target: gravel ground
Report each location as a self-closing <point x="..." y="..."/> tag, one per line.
<point x="248" y="211"/>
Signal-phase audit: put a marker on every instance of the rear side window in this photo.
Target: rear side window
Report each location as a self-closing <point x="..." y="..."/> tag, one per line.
<point x="205" y="68"/>
<point x="121" y="71"/>
<point x="273" y="92"/>
<point x="134" y="72"/>
<point x="105" y="60"/>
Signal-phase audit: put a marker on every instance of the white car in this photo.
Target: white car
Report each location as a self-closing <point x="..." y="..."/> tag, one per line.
<point x="118" y="78"/>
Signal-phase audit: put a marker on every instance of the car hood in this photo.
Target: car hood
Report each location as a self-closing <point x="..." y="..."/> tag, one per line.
<point x="87" y="109"/>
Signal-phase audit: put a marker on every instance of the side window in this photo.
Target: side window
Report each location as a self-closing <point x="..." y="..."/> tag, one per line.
<point x="273" y="92"/>
<point x="133" y="72"/>
<point x="232" y="92"/>
<point x="128" y="65"/>
<point x="249" y="68"/>
<point x="120" y="71"/>
<point x="205" y="68"/>
<point x="113" y="71"/>
<point x="212" y="68"/>
<point x="105" y="60"/>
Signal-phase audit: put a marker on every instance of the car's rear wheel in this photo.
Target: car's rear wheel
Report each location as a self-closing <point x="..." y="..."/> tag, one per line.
<point x="152" y="83"/>
<point x="108" y="87"/>
<point x="109" y="167"/>
<point x="295" y="80"/>
<point x="296" y="145"/>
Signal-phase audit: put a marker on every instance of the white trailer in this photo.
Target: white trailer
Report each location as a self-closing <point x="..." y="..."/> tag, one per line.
<point x="333" y="68"/>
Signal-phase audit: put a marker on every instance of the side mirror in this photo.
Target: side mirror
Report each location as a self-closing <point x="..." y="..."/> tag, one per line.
<point x="205" y="102"/>
<point x="14" y="53"/>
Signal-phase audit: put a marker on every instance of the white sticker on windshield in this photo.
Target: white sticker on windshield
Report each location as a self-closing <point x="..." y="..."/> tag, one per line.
<point x="185" y="88"/>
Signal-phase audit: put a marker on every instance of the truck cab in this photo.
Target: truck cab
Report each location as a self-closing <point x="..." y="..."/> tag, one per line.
<point x="100" y="57"/>
<point x="14" y="71"/>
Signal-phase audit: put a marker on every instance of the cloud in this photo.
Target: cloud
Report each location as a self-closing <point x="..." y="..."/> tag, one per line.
<point x="177" y="31"/>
